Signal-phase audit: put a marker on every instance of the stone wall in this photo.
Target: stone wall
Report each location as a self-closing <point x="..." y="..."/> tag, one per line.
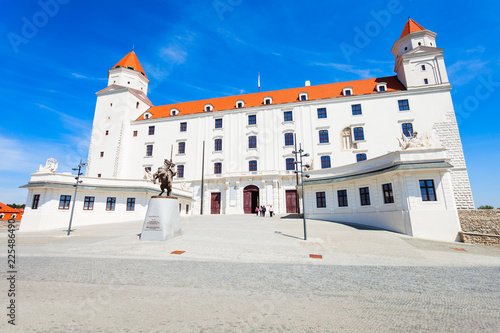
<point x="480" y="226"/>
<point x="449" y="137"/>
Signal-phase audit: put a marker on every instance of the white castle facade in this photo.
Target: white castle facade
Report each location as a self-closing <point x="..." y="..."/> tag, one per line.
<point x="367" y="164"/>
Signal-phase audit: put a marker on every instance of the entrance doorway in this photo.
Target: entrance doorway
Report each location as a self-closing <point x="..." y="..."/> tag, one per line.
<point x="291" y="201"/>
<point x="250" y="199"/>
<point x="215" y="203"/>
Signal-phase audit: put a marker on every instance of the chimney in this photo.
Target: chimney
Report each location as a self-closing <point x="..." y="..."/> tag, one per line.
<point x="308" y="83"/>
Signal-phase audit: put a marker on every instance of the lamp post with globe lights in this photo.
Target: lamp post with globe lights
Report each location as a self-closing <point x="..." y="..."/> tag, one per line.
<point x="300" y="171"/>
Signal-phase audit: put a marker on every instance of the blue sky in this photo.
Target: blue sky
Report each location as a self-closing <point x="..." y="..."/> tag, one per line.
<point x="55" y="59"/>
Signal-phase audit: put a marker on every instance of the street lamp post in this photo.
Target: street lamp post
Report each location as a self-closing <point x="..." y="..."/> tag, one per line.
<point x="78" y="181"/>
<point x="301" y="171"/>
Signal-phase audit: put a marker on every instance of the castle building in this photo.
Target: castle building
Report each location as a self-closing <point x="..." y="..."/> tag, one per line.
<point x="396" y="136"/>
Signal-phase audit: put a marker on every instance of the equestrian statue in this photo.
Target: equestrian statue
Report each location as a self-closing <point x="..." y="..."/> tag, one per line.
<point x="165" y="175"/>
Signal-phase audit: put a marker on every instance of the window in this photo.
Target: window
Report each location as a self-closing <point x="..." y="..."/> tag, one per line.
<point x="359" y="135"/>
<point x="288" y="139"/>
<point x="348" y="92"/>
<point x="208" y="107"/>
<point x="360" y="157"/>
<point x="323" y="136"/>
<point x="107" y="132"/>
<point x="388" y="196"/>
<point x="427" y="190"/>
<point x="252" y="142"/>
<point x="218" y="144"/>
<point x="182" y="147"/>
<point x="187" y="209"/>
<point x="130" y="204"/>
<point x="13" y="216"/>
<point x="64" y="201"/>
<point x="36" y="199"/>
<point x="146" y="116"/>
<point x="403" y="105"/>
<point x="148" y="168"/>
<point x="180" y="171"/>
<point x="252" y="165"/>
<point x="88" y="203"/>
<point x="290" y="164"/>
<point x="240" y="104"/>
<point x="426" y="81"/>
<point x="364" y="195"/>
<point x="321" y="113"/>
<point x="218" y="123"/>
<point x="407" y="129"/>
<point x="151" y="130"/>
<point x="98" y="175"/>
<point x="135" y="133"/>
<point x="137" y="105"/>
<point x="174" y="112"/>
<point x="149" y="150"/>
<point x="184" y="127"/>
<point x="342" y="198"/>
<point x="101" y="154"/>
<point x="287" y="116"/>
<point x="423" y="67"/>
<point x="303" y="97"/>
<point x="217" y="168"/>
<point x="381" y="88"/>
<point x="320" y="200"/>
<point x="325" y="162"/>
<point x="252" y="119"/>
<point x="110" y="204"/>
<point x="2" y="215"/>
<point x="356" y="109"/>
<point x="268" y="101"/>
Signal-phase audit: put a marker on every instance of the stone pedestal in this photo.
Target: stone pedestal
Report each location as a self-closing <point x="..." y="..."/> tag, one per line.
<point x="162" y="220"/>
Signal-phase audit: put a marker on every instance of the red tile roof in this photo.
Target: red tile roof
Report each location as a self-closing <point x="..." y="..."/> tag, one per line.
<point x="411" y="26"/>
<point x="130" y="60"/>
<point x="324" y="91"/>
<point x="7" y="209"/>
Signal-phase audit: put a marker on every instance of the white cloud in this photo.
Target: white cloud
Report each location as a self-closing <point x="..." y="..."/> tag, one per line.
<point x="363" y="73"/>
<point x="173" y="54"/>
<point x="478" y="49"/>
<point x="80" y="76"/>
<point x="464" y="71"/>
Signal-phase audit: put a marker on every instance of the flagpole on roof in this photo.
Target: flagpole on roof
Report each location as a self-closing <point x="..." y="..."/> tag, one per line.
<point x="258" y="81"/>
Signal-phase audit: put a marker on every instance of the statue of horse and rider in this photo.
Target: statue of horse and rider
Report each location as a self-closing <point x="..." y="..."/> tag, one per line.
<point x="165" y="175"/>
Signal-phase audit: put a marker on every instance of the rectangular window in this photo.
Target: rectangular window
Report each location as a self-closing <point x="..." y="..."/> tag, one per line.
<point x="252" y="166"/>
<point x="381" y="88"/>
<point x="323" y="136"/>
<point x="130" y="204"/>
<point x="134" y="133"/>
<point x="423" y="67"/>
<point x="180" y="171"/>
<point x="325" y="162"/>
<point x="342" y="197"/>
<point x="426" y="81"/>
<point x="182" y="147"/>
<point x="64" y="202"/>
<point x="288" y="139"/>
<point x="407" y="129"/>
<point x="88" y="203"/>
<point x="36" y="199"/>
<point x="287" y="116"/>
<point x="101" y="154"/>
<point x="356" y="109"/>
<point x="151" y="130"/>
<point x="184" y="127"/>
<point x="403" y="105"/>
<point x="149" y="150"/>
<point x="110" y="204"/>
<point x="107" y="132"/>
<point x="359" y="134"/>
<point x="252" y="119"/>
<point x="218" y="144"/>
<point x="364" y="195"/>
<point x="187" y="209"/>
<point x="388" y="195"/>
<point x="290" y="164"/>
<point x="217" y="168"/>
<point x="320" y="199"/>
<point x="427" y="190"/>
<point x="360" y="157"/>
<point x="252" y="142"/>
<point x="321" y="113"/>
<point x="218" y="123"/>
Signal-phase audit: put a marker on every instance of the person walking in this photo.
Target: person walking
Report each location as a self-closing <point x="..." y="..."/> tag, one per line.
<point x="263" y="211"/>
<point x="271" y="211"/>
<point x="257" y="211"/>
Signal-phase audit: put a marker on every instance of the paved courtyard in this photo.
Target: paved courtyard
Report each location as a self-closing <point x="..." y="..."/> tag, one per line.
<point x="251" y="274"/>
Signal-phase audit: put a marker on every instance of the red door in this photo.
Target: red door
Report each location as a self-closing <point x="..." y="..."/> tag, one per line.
<point x="215" y="203"/>
<point x="250" y="199"/>
<point x="291" y="201"/>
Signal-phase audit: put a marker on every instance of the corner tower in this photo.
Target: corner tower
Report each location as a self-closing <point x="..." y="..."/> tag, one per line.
<point x="419" y="62"/>
<point x="128" y="72"/>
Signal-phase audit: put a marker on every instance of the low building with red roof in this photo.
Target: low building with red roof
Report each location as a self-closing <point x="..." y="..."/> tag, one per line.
<point x="381" y="151"/>
<point x="7" y="213"/>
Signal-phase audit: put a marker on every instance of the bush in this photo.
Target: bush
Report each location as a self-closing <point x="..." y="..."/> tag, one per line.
<point x="485" y="207"/>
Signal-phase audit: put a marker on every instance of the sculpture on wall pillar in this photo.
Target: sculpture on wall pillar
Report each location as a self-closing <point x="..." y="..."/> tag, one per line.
<point x="414" y="142"/>
<point x="165" y="175"/>
<point x="50" y="166"/>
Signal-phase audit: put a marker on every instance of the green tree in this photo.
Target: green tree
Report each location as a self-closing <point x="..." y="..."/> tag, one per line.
<point x="485" y="207"/>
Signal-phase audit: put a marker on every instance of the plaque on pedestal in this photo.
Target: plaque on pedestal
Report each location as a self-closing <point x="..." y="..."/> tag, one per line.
<point x="162" y="220"/>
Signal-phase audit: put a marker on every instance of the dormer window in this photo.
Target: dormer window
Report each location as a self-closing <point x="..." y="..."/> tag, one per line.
<point x="347" y="91"/>
<point x="381" y="87"/>
<point x="240" y="104"/>
<point x="147" y="115"/>
<point x="208" y="107"/>
<point x="303" y="96"/>
<point x="174" y="112"/>
<point x="268" y="100"/>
